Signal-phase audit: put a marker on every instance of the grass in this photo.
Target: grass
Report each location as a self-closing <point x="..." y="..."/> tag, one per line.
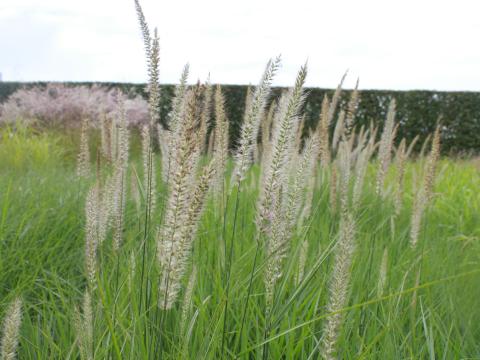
<point x="200" y="262"/>
<point x="42" y="257"/>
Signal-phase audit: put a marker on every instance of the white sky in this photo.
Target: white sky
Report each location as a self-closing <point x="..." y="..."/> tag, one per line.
<point x="422" y="44"/>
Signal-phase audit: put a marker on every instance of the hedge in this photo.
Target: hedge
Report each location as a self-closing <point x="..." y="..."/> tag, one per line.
<point x="417" y="111"/>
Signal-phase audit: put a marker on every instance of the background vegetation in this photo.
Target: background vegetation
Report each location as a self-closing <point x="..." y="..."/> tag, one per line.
<point x="417" y="111"/>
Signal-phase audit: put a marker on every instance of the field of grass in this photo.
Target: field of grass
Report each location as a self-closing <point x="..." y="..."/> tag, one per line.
<point x="426" y="306"/>
<point x="330" y="242"/>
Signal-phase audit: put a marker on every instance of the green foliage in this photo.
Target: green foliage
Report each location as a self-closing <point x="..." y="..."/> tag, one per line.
<point x="42" y="250"/>
<point x="23" y="149"/>
<point x="417" y="111"/>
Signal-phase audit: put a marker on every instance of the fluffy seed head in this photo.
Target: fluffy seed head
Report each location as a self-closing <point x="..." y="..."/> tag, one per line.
<point x="92" y="233"/>
<point x="424" y="193"/>
<point x="11" y="330"/>
<point x="83" y="161"/>
<point x="250" y="126"/>
<point x="84" y="327"/>
<point x="401" y="160"/>
<point x="282" y="142"/>
<point x="432" y="163"/>
<point x="323" y="133"/>
<point x="149" y="174"/>
<point x="339" y="284"/>
<point x="144" y="29"/>
<point x="177" y="235"/>
<point x="339" y="129"/>
<point x="386" y="144"/>
<point x="221" y="131"/>
<point x="351" y="111"/>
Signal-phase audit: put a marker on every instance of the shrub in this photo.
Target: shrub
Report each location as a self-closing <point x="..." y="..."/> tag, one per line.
<point x="58" y="105"/>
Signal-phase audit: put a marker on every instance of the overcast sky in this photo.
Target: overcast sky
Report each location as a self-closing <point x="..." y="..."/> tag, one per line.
<point x="421" y="44"/>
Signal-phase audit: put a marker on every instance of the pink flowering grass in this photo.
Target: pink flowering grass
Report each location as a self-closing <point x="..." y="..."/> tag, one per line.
<point x="58" y="105"/>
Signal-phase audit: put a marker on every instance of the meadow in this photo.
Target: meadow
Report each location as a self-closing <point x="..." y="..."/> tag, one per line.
<point x="43" y="247"/>
<point x="166" y="242"/>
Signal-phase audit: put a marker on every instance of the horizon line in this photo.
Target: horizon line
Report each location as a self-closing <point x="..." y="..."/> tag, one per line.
<point x="228" y="84"/>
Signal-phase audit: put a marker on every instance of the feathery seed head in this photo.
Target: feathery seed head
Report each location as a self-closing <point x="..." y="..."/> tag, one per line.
<point x="335" y="100"/>
<point x="276" y="170"/>
<point x="339" y="284"/>
<point x="84" y="327"/>
<point x="401" y="160"/>
<point x="83" y="161"/>
<point x="221" y="133"/>
<point x="11" y="330"/>
<point x="424" y="193"/>
<point x="93" y="232"/>
<point x="339" y="129"/>
<point x="432" y="163"/>
<point x="149" y="178"/>
<point x="178" y="232"/>
<point x="323" y="129"/>
<point x="179" y="99"/>
<point x="144" y="29"/>
<point x="153" y="83"/>
<point x="352" y="107"/>
<point x="386" y="144"/>
<point x="250" y="126"/>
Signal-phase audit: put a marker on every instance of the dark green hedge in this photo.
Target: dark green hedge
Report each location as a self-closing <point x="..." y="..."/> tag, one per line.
<point x="417" y="111"/>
